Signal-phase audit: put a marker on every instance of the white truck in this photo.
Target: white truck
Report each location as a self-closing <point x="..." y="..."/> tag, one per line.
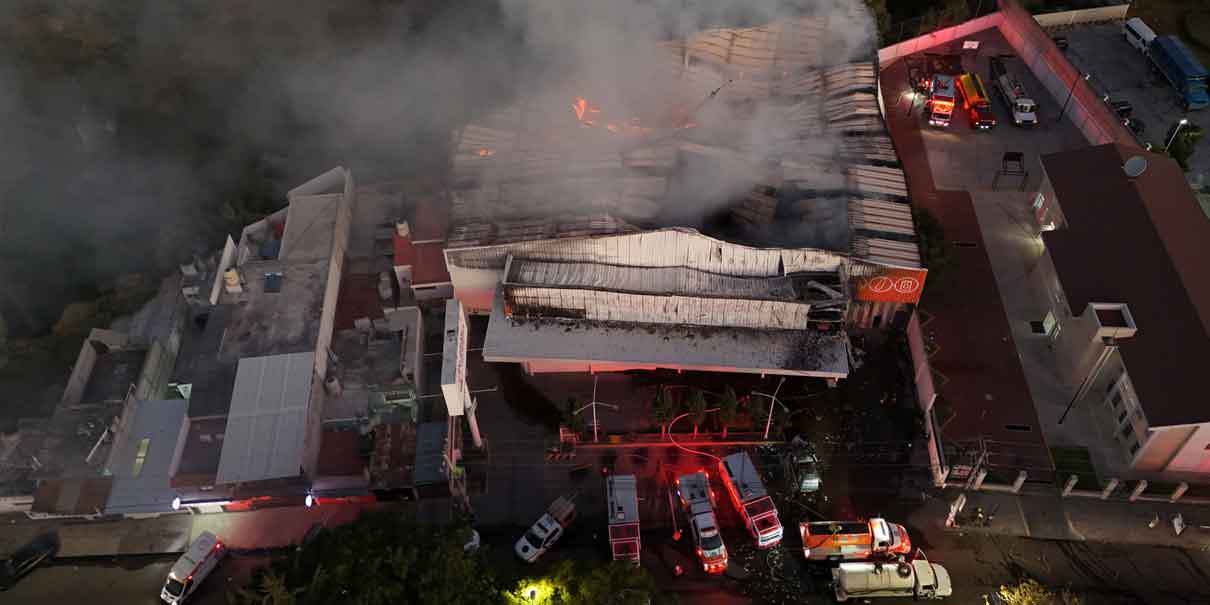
<point x="918" y="579"/>
<point x="192" y="568"/>
<point x="622" y="500"/>
<point x="1013" y="93"/>
<point x="698" y="501"/>
<point x="547" y="529"/>
<point x="750" y="499"/>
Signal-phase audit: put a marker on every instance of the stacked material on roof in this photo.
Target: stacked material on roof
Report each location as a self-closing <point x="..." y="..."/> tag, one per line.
<point x="756" y="210"/>
<point x="878" y="181"/>
<point x="485" y="233"/>
<point x="881" y="217"/>
<point x="887" y="251"/>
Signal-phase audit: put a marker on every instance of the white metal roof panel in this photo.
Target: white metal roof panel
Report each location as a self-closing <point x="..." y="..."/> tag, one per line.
<point x="266" y="425"/>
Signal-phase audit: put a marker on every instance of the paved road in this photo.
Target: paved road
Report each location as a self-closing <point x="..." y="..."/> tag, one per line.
<point x="127" y="580"/>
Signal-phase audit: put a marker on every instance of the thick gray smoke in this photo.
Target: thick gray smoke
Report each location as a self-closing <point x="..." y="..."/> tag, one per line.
<point x="131" y="127"/>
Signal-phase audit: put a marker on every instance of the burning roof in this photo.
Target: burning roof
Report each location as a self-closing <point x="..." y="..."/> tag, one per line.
<point x="764" y="110"/>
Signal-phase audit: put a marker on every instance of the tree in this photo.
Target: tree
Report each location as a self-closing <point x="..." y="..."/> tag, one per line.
<point x="728" y="409"/>
<point x="936" y="253"/>
<point x="696" y="406"/>
<point x="407" y="563"/>
<point x="1184" y="143"/>
<point x="267" y="588"/>
<point x="882" y="18"/>
<point x="663" y="409"/>
<point x="1031" y="592"/>
<point x="571" y="419"/>
<point x="572" y="583"/>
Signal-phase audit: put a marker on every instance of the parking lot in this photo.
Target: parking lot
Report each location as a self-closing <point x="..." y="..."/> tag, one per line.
<point x="1122" y="73"/>
<point x="966" y="159"/>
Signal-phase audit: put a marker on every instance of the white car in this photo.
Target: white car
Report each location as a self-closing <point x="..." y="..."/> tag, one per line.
<point x="539" y="538"/>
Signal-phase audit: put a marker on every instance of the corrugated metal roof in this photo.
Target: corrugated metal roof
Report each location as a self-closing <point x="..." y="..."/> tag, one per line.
<point x="267" y="422"/>
<point x="650" y="280"/>
<point x="791" y="352"/>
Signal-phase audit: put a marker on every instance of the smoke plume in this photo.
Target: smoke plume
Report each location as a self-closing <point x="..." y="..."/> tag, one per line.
<point x="137" y="132"/>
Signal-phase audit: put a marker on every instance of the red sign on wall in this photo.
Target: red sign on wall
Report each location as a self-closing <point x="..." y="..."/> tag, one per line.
<point x="892" y="285"/>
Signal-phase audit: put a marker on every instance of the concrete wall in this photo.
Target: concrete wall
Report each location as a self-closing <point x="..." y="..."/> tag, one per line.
<point x="1161" y="446"/>
<point x="926" y="393"/>
<point x="340" y="242"/>
<point x="1098" y="14"/>
<point x="225" y="262"/>
<point x="87" y="360"/>
<point x="1192" y="455"/>
<point x="1059" y="76"/>
<point x="892" y="53"/>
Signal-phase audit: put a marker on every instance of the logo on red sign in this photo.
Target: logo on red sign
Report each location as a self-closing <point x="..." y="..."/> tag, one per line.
<point x="892" y="285"/>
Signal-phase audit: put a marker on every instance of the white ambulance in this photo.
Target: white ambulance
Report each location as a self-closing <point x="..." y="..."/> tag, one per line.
<point x="192" y="568"/>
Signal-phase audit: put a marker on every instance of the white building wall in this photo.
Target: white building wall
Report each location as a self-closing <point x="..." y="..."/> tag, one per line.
<point x="1194" y="455"/>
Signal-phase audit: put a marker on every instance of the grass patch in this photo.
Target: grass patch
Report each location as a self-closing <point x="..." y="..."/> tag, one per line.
<point x="1075" y="461"/>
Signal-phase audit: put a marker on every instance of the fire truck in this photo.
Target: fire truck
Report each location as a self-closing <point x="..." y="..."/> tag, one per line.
<point x="750" y="499"/>
<point x="853" y="540"/>
<point x="622" y="499"/>
<point x="942" y="95"/>
<point x="976" y="102"/>
<point x="1012" y="92"/>
<point x="698" y="501"/>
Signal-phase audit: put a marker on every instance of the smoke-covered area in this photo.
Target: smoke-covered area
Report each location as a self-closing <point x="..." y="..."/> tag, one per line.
<point x="136" y="132"/>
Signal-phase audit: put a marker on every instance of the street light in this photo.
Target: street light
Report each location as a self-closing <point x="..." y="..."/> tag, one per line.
<point x="1174" y="132"/>
<point x="593" y="404"/>
<point x="1071" y="93"/>
<point x="769" y="421"/>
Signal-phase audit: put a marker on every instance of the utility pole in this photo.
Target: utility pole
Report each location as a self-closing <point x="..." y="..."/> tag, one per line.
<point x="1071" y="93"/>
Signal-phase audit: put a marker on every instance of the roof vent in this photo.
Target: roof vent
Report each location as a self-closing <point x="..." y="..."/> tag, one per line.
<point x="1135" y="166"/>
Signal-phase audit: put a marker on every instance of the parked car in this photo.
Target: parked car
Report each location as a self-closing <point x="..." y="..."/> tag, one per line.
<point x="1135" y="125"/>
<point x="1122" y="108"/>
<point x="1061" y="42"/>
<point x="44" y="547"/>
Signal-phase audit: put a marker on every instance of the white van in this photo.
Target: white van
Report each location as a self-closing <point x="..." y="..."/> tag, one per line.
<point x="192" y="568"/>
<point x="1138" y="34"/>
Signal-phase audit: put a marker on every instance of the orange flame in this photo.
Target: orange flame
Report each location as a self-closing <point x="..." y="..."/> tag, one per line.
<point x="485" y="152"/>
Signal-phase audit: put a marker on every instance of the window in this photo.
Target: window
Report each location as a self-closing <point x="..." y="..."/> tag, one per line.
<point x="1122" y="416"/>
<point x="140" y="456"/>
<point x="1134" y="447"/>
<point x="1116" y="400"/>
<point x="1127" y="429"/>
<point x="1022" y="428"/>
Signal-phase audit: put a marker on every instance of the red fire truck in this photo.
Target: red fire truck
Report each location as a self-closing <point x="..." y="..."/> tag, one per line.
<point x="942" y="95"/>
<point x="750" y="499"/>
<point x="976" y="102"/>
<point x="621" y="493"/>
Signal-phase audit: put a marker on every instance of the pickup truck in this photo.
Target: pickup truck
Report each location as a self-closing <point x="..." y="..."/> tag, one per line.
<point x="547" y="530"/>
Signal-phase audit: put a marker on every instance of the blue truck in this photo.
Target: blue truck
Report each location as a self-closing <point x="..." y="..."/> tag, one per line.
<point x="1173" y="59"/>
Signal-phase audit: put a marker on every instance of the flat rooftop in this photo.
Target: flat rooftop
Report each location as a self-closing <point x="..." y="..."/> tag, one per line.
<point x="113" y="374"/>
<point x="201" y="452"/>
<point x="1143" y="243"/>
<point x="310" y="227"/>
<point x="791" y="352"/>
<point x="142" y="463"/>
<point x="274" y="315"/>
